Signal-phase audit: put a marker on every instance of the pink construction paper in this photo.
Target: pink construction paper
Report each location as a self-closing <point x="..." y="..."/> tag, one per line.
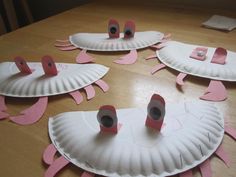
<point x="157" y="68"/>
<point x="113" y="24"/>
<point x="158" y="46"/>
<point x="3" y="106"/>
<point x="230" y="131"/>
<point x="83" y="57"/>
<point x="129" y="26"/>
<point x="89" y="91"/>
<point x="32" y="114"/>
<point x="67" y="48"/>
<point x="188" y="173"/>
<point x="151" y="57"/>
<point x="205" y="168"/>
<point x="219" y="56"/>
<point x="128" y="59"/>
<point x="56" y="166"/>
<point x="77" y="96"/>
<point x="49" y="153"/>
<point x="63" y="44"/>
<point x="103" y="85"/>
<point x="215" y="92"/>
<point x="180" y="78"/>
<point x="22" y="65"/>
<point x="87" y="174"/>
<point x="220" y="152"/>
<point x="195" y="53"/>
<point x="63" y="41"/>
<point x="49" y="66"/>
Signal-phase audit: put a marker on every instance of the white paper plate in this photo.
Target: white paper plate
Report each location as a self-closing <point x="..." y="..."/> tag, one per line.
<point x="192" y="132"/>
<point x="70" y="77"/>
<point x="176" y="55"/>
<point x="101" y="41"/>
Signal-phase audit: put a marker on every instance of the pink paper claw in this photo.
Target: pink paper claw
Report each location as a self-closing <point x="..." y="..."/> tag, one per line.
<point x="215" y="92"/>
<point x="77" y="96"/>
<point x="89" y="91"/>
<point x="3" y="108"/>
<point x="103" y="85"/>
<point x="220" y="152"/>
<point x="128" y="59"/>
<point x="230" y="131"/>
<point x="205" y="168"/>
<point x="69" y="48"/>
<point x="83" y="57"/>
<point x="180" y="78"/>
<point x="157" y="68"/>
<point x="62" y="41"/>
<point x="32" y="114"/>
<point x="48" y="154"/>
<point x="188" y="173"/>
<point x="151" y="57"/>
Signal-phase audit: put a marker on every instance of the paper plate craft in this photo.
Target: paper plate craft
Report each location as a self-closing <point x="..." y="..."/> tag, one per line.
<point x="216" y="64"/>
<point x="110" y="42"/>
<point x="34" y="79"/>
<point x="160" y="140"/>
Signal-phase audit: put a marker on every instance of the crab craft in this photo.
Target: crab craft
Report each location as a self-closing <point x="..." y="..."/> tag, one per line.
<point x="41" y="80"/>
<point x="160" y="140"/>
<point x="130" y="41"/>
<point x="216" y="64"/>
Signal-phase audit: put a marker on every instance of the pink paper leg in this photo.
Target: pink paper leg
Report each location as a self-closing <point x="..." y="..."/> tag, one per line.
<point x="157" y="68"/>
<point x="89" y="91"/>
<point x="83" y="57"/>
<point x="180" y="78"/>
<point x="103" y="85"/>
<point x="215" y="92"/>
<point x="230" y="131"/>
<point x="128" y="59"/>
<point x="219" y="56"/>
<point x="3" y="108"/>
<point x="49" y="153"/>
<point x="32" y="114"/>
<point x="68" y="48"/>
<point x="220" y="152"/>
<point x="87" y="174"/>
<point x="205" y="169"/>
<point x="63" y="44"/>
<point x="151" y="57"/>
<point x="77" y="96"/>
<point x="56" y="166"/>
<point x="188" y="173"/>
<point x="158" y="46"/>
<point x="63" y="41"/>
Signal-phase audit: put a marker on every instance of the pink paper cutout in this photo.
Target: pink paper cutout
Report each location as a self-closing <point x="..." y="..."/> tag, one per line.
<point x="49" y="66"/>
<point x="219" y="56"/>
<point x="3" y="106"/>
<point x="103" y="85"/>
<point x="199" y="53"/>
<point x="151" y="57"/>
<point x="159" y="46"/>
<point x="129" y="29"/>
<point x="157" y="68"/>
<point x="220" y="152"/>
<point x="62" y="41"/>
<point x="22" y="65"/>
<point x="67" y="48"/>
<point x="188" y="173"/>
<point x="63" y="44"/>
<point x="83" y="57"/>
<point x="215" y="92"/>
<point x="89" y="91"/>
<point x="230" y="131"/>
<point x="32" y="114"/>
<point x="3" y="115"/>
<point x="87" y="174"/>
<point x="77" y="96"/>
<point x="180" y="78"/>
<point x="115" y="25"/>
<point x="56" y="166"/>
<point x="49" y="153"/>
<point x="205" y="168"/>
<point x="128" y="59"/>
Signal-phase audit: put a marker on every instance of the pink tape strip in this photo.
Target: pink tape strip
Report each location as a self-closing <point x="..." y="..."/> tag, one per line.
<point x="3" y="106"/>
<point x="151" y="57"/>
<point x="87" y="174"/>
<point x="230" y="131"/>
<point x="220" y="152"/>
<point x="77" y="96"/>
<point x="180" y="78"/>
<point x="157" y="68"/>
<point x="49" y="153"/>
<point x="128" y="59"/>
<point x="56" y="166"/>
<point x="205" y="169"/>
<point x="32" y="114"/>
<point x="215" y="92"/>
<point x="67" y="48"/>
<point x="103" y="85"/>
<point x="89" y="91"/>
<point x="188" y="173"/>
<point x="83" y="57"/>
<point x="219" y="56"/>
<point x="62" y="41"/>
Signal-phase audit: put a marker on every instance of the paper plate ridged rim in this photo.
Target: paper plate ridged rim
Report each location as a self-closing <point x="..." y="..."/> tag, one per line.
<point x="76" y="136"/>
<point x="176" y="55"/>
<point x="70" y="77"/>
<point x="101" y="42"/>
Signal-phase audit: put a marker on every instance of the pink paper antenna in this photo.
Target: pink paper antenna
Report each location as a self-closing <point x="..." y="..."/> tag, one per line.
<point x="129" y="29"/>
<point x="22" y="65"/>
<point x="49" y="66"/>
<point x="156" y="112"/>
<point x="113" y="28"/>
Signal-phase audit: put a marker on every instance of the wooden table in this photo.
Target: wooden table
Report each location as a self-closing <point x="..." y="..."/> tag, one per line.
<point x="130" y="86"/>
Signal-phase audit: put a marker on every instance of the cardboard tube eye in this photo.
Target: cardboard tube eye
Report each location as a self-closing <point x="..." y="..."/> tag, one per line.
<point x="113" y="29"/>
<point x="156" y="112"/>
<point x="129" y="29"/>
<point x="49" y="66"/>
<point x="107" y="119"/>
